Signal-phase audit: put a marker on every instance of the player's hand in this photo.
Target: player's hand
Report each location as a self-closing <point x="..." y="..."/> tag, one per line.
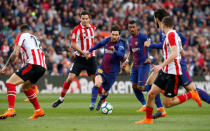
<point x="157" y="68"/>
<point x="112" y="48"/>
<point x="147" y="43"/>
<point x="148" y="61"/>
<point x="4" y="69"/>
<point x="87" y="54"/>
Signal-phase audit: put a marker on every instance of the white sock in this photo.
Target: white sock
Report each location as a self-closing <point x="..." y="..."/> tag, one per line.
<point x="61" y="98"/>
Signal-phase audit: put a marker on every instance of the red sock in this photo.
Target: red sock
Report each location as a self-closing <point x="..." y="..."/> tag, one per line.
<point x="100" y="92"/>
<point x="32" y="98"/>
<point x="149" y="111"/>
<point x="11" y="93"/>
<point x="66" y="86"/>
<point x="182" y="98"/>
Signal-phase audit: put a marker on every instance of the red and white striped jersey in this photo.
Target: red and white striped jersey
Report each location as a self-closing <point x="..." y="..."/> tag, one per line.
<point x="84" y="37"/>
<point x="31" y="50"/>
<point x="172" y="39"/>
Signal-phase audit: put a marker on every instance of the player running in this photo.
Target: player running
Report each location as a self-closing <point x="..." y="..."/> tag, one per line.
<point x="82" y="40"/>
<point x="169" y="78"/>
<point x="141" y="65"/>
<point x="114" y="50"/>
<point x="34" y="60"/>
<point x="186" y="79"/>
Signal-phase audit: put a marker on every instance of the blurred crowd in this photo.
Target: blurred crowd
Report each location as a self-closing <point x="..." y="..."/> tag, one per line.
<point x="52" y="22"/>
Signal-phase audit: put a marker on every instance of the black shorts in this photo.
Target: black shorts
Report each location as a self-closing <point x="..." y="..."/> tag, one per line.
<point x="81" y="63"/>
<point x="168" y="83"/>
<point x="31" y="72"/>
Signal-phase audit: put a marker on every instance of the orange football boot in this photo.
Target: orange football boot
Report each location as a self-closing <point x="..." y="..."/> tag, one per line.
<point x="145" y="121"/>
<point x="142" y="109"/>
<point x="195" y="97"/>
<point x="8" y="113"/>
<point x="37" y="114"/>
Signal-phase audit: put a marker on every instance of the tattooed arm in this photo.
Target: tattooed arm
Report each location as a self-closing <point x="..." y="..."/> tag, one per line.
<point x="12" y="57"/>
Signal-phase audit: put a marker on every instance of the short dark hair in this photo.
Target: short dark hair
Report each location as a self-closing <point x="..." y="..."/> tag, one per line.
<point x="24" y="28"/>
<point x="84" y="12"/>
<point x="132" y="22"/>
<point x="160" y="14"/>
<point x="168" y="21"/>
<point x="115" y="28"/>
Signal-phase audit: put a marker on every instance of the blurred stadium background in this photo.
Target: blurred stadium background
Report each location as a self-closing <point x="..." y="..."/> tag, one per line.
<point x="53" y="20"/>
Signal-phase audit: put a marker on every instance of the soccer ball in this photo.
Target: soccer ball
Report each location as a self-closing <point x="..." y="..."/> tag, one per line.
<point x="106" y="108"/>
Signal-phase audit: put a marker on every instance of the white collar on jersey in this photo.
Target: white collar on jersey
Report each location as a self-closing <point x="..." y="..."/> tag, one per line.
<point x="83" y="26"/>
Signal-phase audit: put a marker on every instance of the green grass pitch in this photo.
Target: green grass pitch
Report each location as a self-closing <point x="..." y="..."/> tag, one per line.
<point x="74" y="115"/>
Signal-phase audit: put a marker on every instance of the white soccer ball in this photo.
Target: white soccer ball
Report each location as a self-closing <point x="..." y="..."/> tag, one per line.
<point x="106" y="108"/>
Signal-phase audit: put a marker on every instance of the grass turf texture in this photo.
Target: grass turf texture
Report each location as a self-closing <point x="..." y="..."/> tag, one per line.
<point x="74" y="115"/>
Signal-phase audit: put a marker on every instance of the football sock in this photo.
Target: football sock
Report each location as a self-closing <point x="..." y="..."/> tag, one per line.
<point x="32" y="98"/>
<point x="203" y="95"/>
<point x="94" y="94"/>
<point x="147" y="87"/>
<point x="149" y="111"/>
<point x="140" y="96"/>
<point x="66" y="86"/>
<point x="182" y="98"/>
<point x="158" y="101"/>
<point x="11" y="93"/>
<point x="103" y="97"/>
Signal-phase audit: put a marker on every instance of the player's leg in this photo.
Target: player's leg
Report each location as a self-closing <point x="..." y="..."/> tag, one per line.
<point x="66" y="86"/>
<point x="189" y="86"/>
<point x="108" y="81"/>
<point x="150" y="104"/>
<point x="161" y="112"/>
<point x="36" y="90"/>
<point x="31" y="95"/>
<point x="98" y="83"/>
<point x="171" y="91"/>
<point x="138" y="93"/>
<point x="143" y="72"/>
<point x="11" y="84"/>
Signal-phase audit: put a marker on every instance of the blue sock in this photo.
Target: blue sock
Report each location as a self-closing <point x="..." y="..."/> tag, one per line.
<point x="103" y="97"/>
<point x="94" y="94"/>
<point x="158" y="101"/>
<point x="203" y="95"/>
<point x="140" y="96"/>
<point x="147" y="87"/>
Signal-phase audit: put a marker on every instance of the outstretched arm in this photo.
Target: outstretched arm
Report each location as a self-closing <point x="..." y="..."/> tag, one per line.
<point x="12" y="57"/>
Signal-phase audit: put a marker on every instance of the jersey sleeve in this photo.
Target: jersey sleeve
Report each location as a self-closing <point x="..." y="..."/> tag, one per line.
<point x="74" y="35"/>
<point x="129" y="45"/>
<point x="20" y="40"/>
<point x="144" y="37"/>
<point x="99" y="45"/>
<point x="171" y="39"/>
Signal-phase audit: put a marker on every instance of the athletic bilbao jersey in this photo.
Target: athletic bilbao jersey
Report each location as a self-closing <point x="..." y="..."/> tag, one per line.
<point x="140" y="53"/>
<point x="31" y="50"/>
<point x="84" y="37"/>
<point x="111" y="60"/>
<point x="172" y="39"/>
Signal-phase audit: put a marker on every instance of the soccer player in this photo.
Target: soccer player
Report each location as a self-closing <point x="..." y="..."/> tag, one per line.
<point x="141" y="65"/>
<point x="35" y="89"/>
<point x="186" y="79"/>
<point x="169" y="78"/>
<point x="114" y="50"/>
<point x="28" y="75"/>
<point x="82" y="40"/>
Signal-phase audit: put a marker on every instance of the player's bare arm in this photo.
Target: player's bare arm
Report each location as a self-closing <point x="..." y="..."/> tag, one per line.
<point x="173" y="55"/>
<point x="12" y="57"/>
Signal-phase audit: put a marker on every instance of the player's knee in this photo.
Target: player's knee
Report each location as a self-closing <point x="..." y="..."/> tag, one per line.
<point x="134" y="86"/>
<point x="98" y="81"/>
<point x="70" y="78"/>
<point x="151" y="95"/>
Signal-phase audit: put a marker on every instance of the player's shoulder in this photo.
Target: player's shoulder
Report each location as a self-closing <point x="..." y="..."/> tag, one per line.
<point x="76" y="28"/>
<point x="142" y="35"/>
<point x="92" y="26"/>
<point x="121" y="42"/>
